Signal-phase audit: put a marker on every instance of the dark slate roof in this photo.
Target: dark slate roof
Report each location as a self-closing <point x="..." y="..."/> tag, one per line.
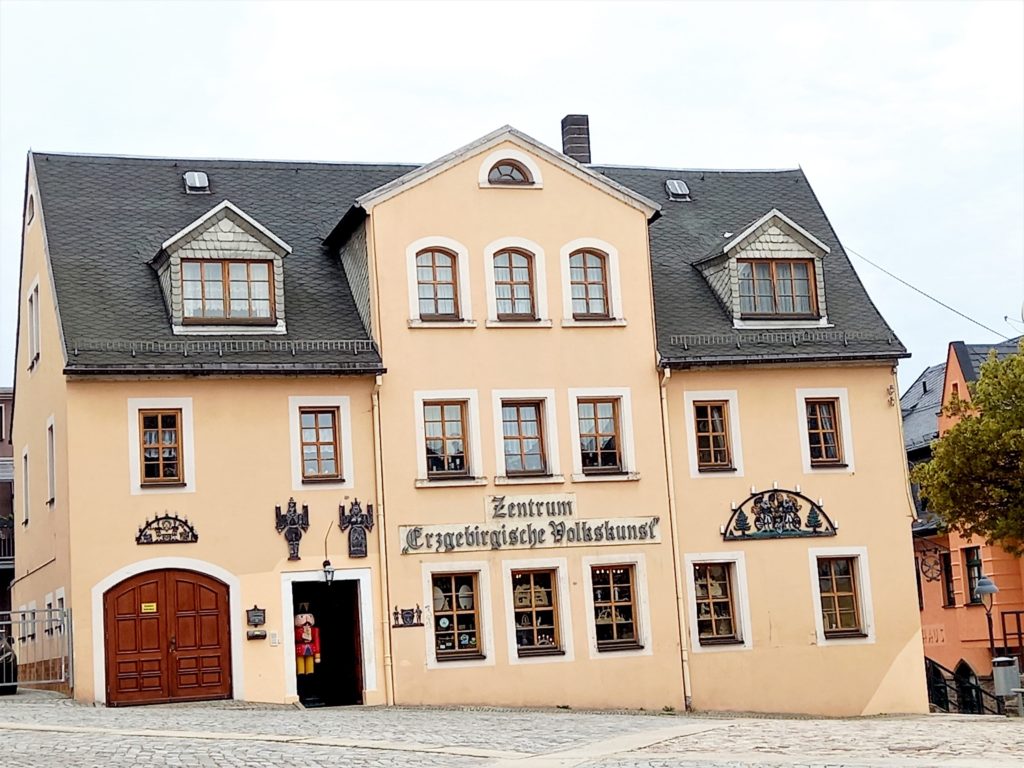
<point x="920" y="405"/>
<point x="971" y="356"/>
<point x="693" y="327"/>
<point x="106" y="217"/>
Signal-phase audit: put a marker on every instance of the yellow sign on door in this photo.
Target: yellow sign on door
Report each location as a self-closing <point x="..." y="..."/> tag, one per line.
<point x="149" y="607"/>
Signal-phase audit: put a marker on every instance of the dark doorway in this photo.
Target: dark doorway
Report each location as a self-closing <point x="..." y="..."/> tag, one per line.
<point x="338" y="678"/>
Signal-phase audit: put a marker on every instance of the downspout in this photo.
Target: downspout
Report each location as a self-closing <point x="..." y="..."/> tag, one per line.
<point x="677" y="568"/>
<point x="385" y="593"/>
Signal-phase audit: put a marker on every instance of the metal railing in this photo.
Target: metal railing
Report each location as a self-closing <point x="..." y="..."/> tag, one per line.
<point x="1013" y="634"/>
<point x="6" y="542"/>
<point x="35" y="648"/>
<point x="949" y="693"/>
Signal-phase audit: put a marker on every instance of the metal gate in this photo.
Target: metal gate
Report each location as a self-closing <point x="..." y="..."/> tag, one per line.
<point x="35" y="648"/>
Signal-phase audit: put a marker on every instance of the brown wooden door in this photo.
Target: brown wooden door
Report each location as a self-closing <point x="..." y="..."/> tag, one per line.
<point x="167" y="639"/>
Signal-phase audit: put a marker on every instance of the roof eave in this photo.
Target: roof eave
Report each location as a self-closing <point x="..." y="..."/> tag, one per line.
<point x="703" y="362"/>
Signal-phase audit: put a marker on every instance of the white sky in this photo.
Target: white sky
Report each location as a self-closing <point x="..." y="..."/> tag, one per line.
<point x="907" y="117"/>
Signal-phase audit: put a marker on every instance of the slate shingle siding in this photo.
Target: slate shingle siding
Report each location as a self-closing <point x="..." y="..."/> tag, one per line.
<point x="357" y="269"/>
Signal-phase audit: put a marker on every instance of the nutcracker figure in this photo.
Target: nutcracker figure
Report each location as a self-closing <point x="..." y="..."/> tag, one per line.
<point x="307" y="641"/>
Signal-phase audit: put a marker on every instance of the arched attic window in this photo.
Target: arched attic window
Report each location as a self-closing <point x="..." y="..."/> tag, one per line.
<point x="509" y="172"/>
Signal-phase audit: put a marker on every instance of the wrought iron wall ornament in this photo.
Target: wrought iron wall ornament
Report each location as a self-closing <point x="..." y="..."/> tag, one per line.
<point x="293" y="523"/>
<point x="777" y="514"/>
<point x="166" y="529"/>
<point x="357" y="523"/>
<point x="407" y="617"/>
<point x="929" y="557"/>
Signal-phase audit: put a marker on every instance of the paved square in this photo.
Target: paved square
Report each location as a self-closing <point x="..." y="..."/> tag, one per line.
<point x="43" y="729"/>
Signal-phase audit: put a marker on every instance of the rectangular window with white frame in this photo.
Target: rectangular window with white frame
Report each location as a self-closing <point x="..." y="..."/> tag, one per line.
<point x="448" y="448"/>
<point x="320" y="429"/>
<point x="841" y="589"/>
<point x="601" y="423"/>
<point x="714" y="440"/>
<point x="537" y="611"/>
<point x="456" y="596"/>
<point x="48" y="624"/>
<point x="825" y="430"/>
<point x="719" y="605"/>
<point x="161" y="445"/>
<point x="617" y="605"/>
<point x="51" y="462"/>
<point x="526" y="436"/>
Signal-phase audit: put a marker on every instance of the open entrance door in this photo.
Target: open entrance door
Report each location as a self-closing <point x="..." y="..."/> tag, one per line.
<point x="337" y="678"/>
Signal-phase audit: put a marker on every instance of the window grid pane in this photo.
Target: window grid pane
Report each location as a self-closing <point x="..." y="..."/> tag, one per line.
<point x="599" y="435"/>
<point x="615" y="616"/>
<point x="522" y="431"/>
<point x="160" y="446"/>
<point x="445" y="429"/>
<point x="513" y="285"/>
<point x="319" y="443"/>
<point x="227" y="290"/>
<point x="508" y="172"/>
<point x="456" y="616"/>
<point x="972" y="561"/>
<point x="776" y="287"/>
<point x="437" y="287"/>
<point x="840" y="611"/>
<point x="535" y="609"/>
<point x="823" y="431"/>
<point x="715" y="610"/>
<point x="712" y="431"/>
<point x="588" y="276"/>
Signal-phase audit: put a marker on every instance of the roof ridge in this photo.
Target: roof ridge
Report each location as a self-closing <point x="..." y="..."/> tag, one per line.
<point x="73" y="156"/>
<point x="693" y="170"/>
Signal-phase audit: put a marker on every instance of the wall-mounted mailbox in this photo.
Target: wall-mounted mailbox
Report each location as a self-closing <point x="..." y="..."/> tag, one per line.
<point x="256" y="634"/>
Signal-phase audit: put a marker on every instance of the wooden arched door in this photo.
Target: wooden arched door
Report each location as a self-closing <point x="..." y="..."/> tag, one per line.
<point x="167" y="638"/>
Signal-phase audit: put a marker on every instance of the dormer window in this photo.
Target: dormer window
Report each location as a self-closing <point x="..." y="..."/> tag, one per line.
<point x="227" y="291"/>
<point x="775" y="287"/>
<point x="509" y="172"/>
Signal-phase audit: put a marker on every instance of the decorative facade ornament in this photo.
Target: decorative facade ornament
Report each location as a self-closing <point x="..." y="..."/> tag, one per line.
<point x="293" y="524"/>
<point x="167" y="529"/>
<point x="777" y="514"/>
<point x="407" y="617"/>
<point x="357" y="523"/>
<point x="929" y="560"/>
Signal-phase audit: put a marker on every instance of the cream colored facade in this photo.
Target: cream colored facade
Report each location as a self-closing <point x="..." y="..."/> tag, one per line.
<point x="241" y="447"/>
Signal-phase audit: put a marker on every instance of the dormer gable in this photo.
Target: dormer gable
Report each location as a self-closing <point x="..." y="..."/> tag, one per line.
<point x="769" y="275"/>
<point x="223" y="274"/>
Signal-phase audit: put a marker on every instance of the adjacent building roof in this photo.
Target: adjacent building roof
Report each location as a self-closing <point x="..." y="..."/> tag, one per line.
<point x="920" y="405"/>
<point x="106" y="217"/>
<point x="971" y="356"/>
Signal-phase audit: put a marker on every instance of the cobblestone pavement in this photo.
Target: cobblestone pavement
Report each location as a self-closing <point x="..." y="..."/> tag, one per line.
<point x="41" y="729"/>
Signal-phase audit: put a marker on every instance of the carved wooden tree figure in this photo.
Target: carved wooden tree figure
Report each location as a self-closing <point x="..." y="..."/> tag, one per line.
<point x="813" y="519"/>
<point x="742" y="523"/>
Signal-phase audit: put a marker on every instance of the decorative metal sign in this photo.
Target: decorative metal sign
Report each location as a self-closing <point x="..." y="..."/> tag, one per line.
<point x="929" y="555"/>
<point x="357" y="523"/>
<point x="256" y="617"/>
<point x="407" y="617"/>
<point x="777" y="514"/>
<point x="293" y="524"/>
<point x="167" y="529"/>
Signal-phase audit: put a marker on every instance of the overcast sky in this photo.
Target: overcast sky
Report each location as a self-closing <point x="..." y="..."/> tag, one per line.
<point x="908" y="118"/>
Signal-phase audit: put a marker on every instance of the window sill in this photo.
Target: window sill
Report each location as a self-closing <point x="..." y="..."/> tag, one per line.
<point x="158" y="486"/>
<point x="477" y="656"/>
<point x="615" y="322"/>
<point x="845" y="635"/>
<point x="518" y="324"/>
<point x="529" y="480"/>
<point x="533" y="653"/>
<point x="417" y="323"/>
<point x="720" y="643"/>
<point x="452" y="482"/>
<point x="624" y="647"/>
<point x="767" y="324"/>
<point x="618" y="477"/>
<point x="322" y="480"/>
<point x="489" y="185"/>
<point x="714" y="470"/>
<point x="829" y="465"/>
<point x="977" y="604"/>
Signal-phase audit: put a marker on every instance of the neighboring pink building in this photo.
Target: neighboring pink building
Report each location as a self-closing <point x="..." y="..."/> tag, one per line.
<point x="6" y="499"/>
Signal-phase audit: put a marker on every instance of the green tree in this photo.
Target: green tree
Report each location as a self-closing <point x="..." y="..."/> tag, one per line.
<point x="975" y="479"/>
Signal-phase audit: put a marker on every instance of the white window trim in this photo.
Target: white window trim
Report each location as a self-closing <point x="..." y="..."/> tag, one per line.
<point x="476" y="462"/>
<point x="26" y="491"/>
<point x="48" y="604"/>
<point x="486" y="628"/>
<point x="865" y="604"/>
<point x="549" y="427"/>
<point x="233" y="330"/>
<point x="348" y="473"/>
<point x="59" y="603"/>
<point x="643" y="605"/>
<point x="34" y="339"/>
<point x="845" y="435"/>
<point x="561" y="567"/>
<point x="540" y="282"/>
<point x="462" y="269"/>
<point x="616" y="313"/>
<point x="136" y="404"/>
<point x="690" y="397"/>
<point x="33" y="622"/>
<point x="776" y="324"/>
<point x="629" y="467"/>
<point x="51" y="461"/>
<point x="740" y="597"/>
<point x="22" y="614"/>
<point x="510" y="154"/>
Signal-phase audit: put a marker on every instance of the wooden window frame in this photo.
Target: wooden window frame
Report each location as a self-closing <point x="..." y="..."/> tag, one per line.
<point x="616" y="402"/>
<point x="816" y="402"/>
<point x="335" y="413"/>
<point x="225" y="281"/>
<point x="948" y="588"/>
<point x="527" y="176"/>
<point x="518" y="404"/>
<point x="453" y="613"/>
<point x="834" y="596"/>
<point x="464" y="415"/>
<point x="512" y="283"/>
<point x="611" y="604"/>
<point x="715" y="638"/>
<point x="530" y="611"/>
<point x="434" y="282"/>
<point x="712" y="466"/>
<point x="178" y="480"/>
<point x="605" y="283"/>
<point x="970" y="578"/>
<point x="812" y="287"/>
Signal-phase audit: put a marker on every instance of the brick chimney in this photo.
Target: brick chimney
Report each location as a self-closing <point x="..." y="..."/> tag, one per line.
<point x="576" y="137"/>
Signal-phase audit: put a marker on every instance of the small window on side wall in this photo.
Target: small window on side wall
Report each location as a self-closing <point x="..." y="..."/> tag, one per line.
<point x="509" y="172"/>
<point x="160" y="433"/>
<point x="321" y="459"/>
